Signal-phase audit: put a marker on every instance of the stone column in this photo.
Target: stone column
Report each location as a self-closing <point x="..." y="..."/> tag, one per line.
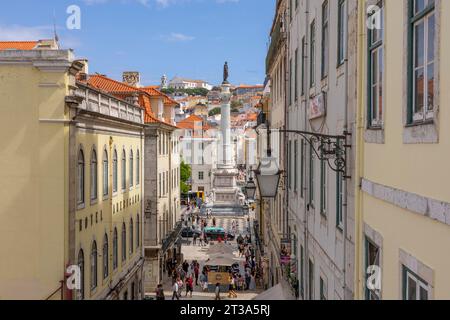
<point x="225" y="96"/>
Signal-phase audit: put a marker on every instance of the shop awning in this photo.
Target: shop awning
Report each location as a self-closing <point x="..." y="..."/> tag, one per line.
<point x="278" y="292"/>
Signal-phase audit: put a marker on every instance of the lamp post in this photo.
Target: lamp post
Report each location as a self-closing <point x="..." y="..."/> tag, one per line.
<point x="250" y="189"/>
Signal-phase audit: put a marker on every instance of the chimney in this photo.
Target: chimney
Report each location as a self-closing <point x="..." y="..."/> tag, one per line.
<point x="131" y="78"/>
<point x="83" y="74"/>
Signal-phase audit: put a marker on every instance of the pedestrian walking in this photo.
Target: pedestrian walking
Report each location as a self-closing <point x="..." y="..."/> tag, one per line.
<point x="232" y="290"/>
<point x="195" y="239"/>
<point x="175" y="289"/>
<point x="160" y="292"/>
<point x="196" y="271"/>
<point x="217" y="291"/>
<point x="189" y="286"/>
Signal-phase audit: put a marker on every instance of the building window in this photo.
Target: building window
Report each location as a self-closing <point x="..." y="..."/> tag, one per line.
<point x="94" y="266"/>
<point x="94" y="175"/>
<point x="105" y="257"/>
<point x="138" y="168"/>
<point x="131" y="246"/>
<point x="115" y="250"/>
<point x="414" y="288"/>
<point x="291" y="82"/>
<point x="124" y="170"/>
<point x="372" y="258"/>
<point x="339" y="200"/>
<point x="115" y="171"/>
<point x="341" y="32"/>
<point x="296" y="75"/>
<point x="325" y="39"/>
<point x="81" y="266"/>
<point x="131" y="168"/>
<point x="295" y="165"/>
<point x="323" y="187"/>
<point x="323" y="289"/>
<point x="421" y="58"/>
<point x="105" y="173"/>
<point x="200" y="175"/>
<point x="80" y="177"/>
<point x="375" y="72"/>
<point x="311" y="175"/>
<point x="302" y="271"/>
<point x="311" y="280"/>
<point x="290" y="178"/>
<point x="312" y="55"/>
<point x="124" y="242"/>
<point x="138" y="235"/>
<point x="303" y="65"/>
<point x="302" y="168"/>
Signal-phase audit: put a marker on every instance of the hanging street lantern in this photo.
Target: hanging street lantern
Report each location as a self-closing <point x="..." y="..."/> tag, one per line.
<point x="250" y="189"/>
<point x="268" y="176"/>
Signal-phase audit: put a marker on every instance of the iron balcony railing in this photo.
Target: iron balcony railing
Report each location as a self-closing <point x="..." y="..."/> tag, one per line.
<point x="172" y="237"/>
<point x="261" y="118"/>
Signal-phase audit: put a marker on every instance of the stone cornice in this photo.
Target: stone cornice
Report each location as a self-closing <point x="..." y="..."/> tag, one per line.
<point x="427" y="207"/>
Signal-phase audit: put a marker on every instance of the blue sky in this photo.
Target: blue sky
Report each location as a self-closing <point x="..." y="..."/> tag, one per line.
<point x="189" y="38"/>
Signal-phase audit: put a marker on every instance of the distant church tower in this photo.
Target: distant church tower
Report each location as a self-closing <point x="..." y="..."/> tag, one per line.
<point x="164" y="84"/>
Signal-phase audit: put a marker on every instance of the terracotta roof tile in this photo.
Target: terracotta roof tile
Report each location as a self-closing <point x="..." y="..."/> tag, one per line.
<point x="18" y="45"/>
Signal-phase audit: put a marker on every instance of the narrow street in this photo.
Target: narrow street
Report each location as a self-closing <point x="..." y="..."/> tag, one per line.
<point x="196" y="252"/>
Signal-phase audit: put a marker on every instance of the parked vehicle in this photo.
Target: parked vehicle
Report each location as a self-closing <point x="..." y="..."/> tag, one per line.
<point x="188" y="232"/>
<point x="213" y="233"/>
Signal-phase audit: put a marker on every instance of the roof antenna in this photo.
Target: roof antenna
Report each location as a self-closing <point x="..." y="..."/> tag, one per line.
<point x="55" y="35"/>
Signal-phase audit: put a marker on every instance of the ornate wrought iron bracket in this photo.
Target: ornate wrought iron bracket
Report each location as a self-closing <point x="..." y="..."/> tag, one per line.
<point x="329" y="148"/>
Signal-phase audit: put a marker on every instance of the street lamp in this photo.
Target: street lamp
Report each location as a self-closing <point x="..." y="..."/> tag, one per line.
<point x="250" y="189"/>
<point x="268" y="176"/>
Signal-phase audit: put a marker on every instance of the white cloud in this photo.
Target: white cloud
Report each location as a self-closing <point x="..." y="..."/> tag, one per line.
<point x="179" y="37"/>
<point x="23" y="33"/>
<point x="94" y="2"/>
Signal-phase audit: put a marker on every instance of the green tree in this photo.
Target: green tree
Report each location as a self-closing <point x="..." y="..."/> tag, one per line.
<point x="185" y="175"/>
<point x="214" y="111"/>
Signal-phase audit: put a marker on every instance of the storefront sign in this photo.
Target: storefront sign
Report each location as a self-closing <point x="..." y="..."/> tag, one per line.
<point x="317" y="107"/>
<point x="285" y="254"/>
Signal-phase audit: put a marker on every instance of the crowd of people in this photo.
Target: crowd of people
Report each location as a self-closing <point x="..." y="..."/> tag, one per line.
<point x="247" y="281"/>
<point x="187" y="276"/>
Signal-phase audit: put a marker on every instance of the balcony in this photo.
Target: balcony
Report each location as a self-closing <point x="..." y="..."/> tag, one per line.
<point x="261" y="118"/>
<point x="277" y="37"/>
<point x="172" y="237"/>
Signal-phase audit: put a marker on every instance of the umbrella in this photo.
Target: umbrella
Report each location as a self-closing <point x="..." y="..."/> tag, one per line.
<point x="221" y="260"/>
<point x="221" y="248"/>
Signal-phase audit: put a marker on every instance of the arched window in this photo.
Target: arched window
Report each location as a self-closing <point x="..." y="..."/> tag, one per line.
<point x="81" y="266"/>
<point x="105" y="173"/>
<point x="80" y="177"/>
<point x="94" y="266"/>
<point x="105" y="257"/>
<point x="115" y="250"/>
<point x="138" y="168"/>
<point x="124" y="242"/>
<point x="115" y="171"/>
<point x="131" y="246"/>
<point x="138" y="239"/>
<point x="94" y="167"/>
<point x="131" y="168"/>
<point x="124" y="170"/>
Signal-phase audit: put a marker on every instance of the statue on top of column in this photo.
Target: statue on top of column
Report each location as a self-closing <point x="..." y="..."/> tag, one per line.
<point x="225" y="73"/>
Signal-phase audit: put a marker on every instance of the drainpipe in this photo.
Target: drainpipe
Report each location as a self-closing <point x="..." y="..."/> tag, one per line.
<point x="306" y="193"/>
<point x="346" y="127"/>
<point x="359" y="163"/>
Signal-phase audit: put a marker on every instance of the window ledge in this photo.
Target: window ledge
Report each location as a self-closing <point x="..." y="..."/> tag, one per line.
<point x="94" y="201"/>
<point x="425" y="132"/>
<point x="105" y="197"/>
<point x="374" y="135"/>
<point x="81" y="206"/>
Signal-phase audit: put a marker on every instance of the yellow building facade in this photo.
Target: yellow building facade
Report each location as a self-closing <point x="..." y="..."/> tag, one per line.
<point x="59" y="173"/>
<point x="403" y="204"/>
